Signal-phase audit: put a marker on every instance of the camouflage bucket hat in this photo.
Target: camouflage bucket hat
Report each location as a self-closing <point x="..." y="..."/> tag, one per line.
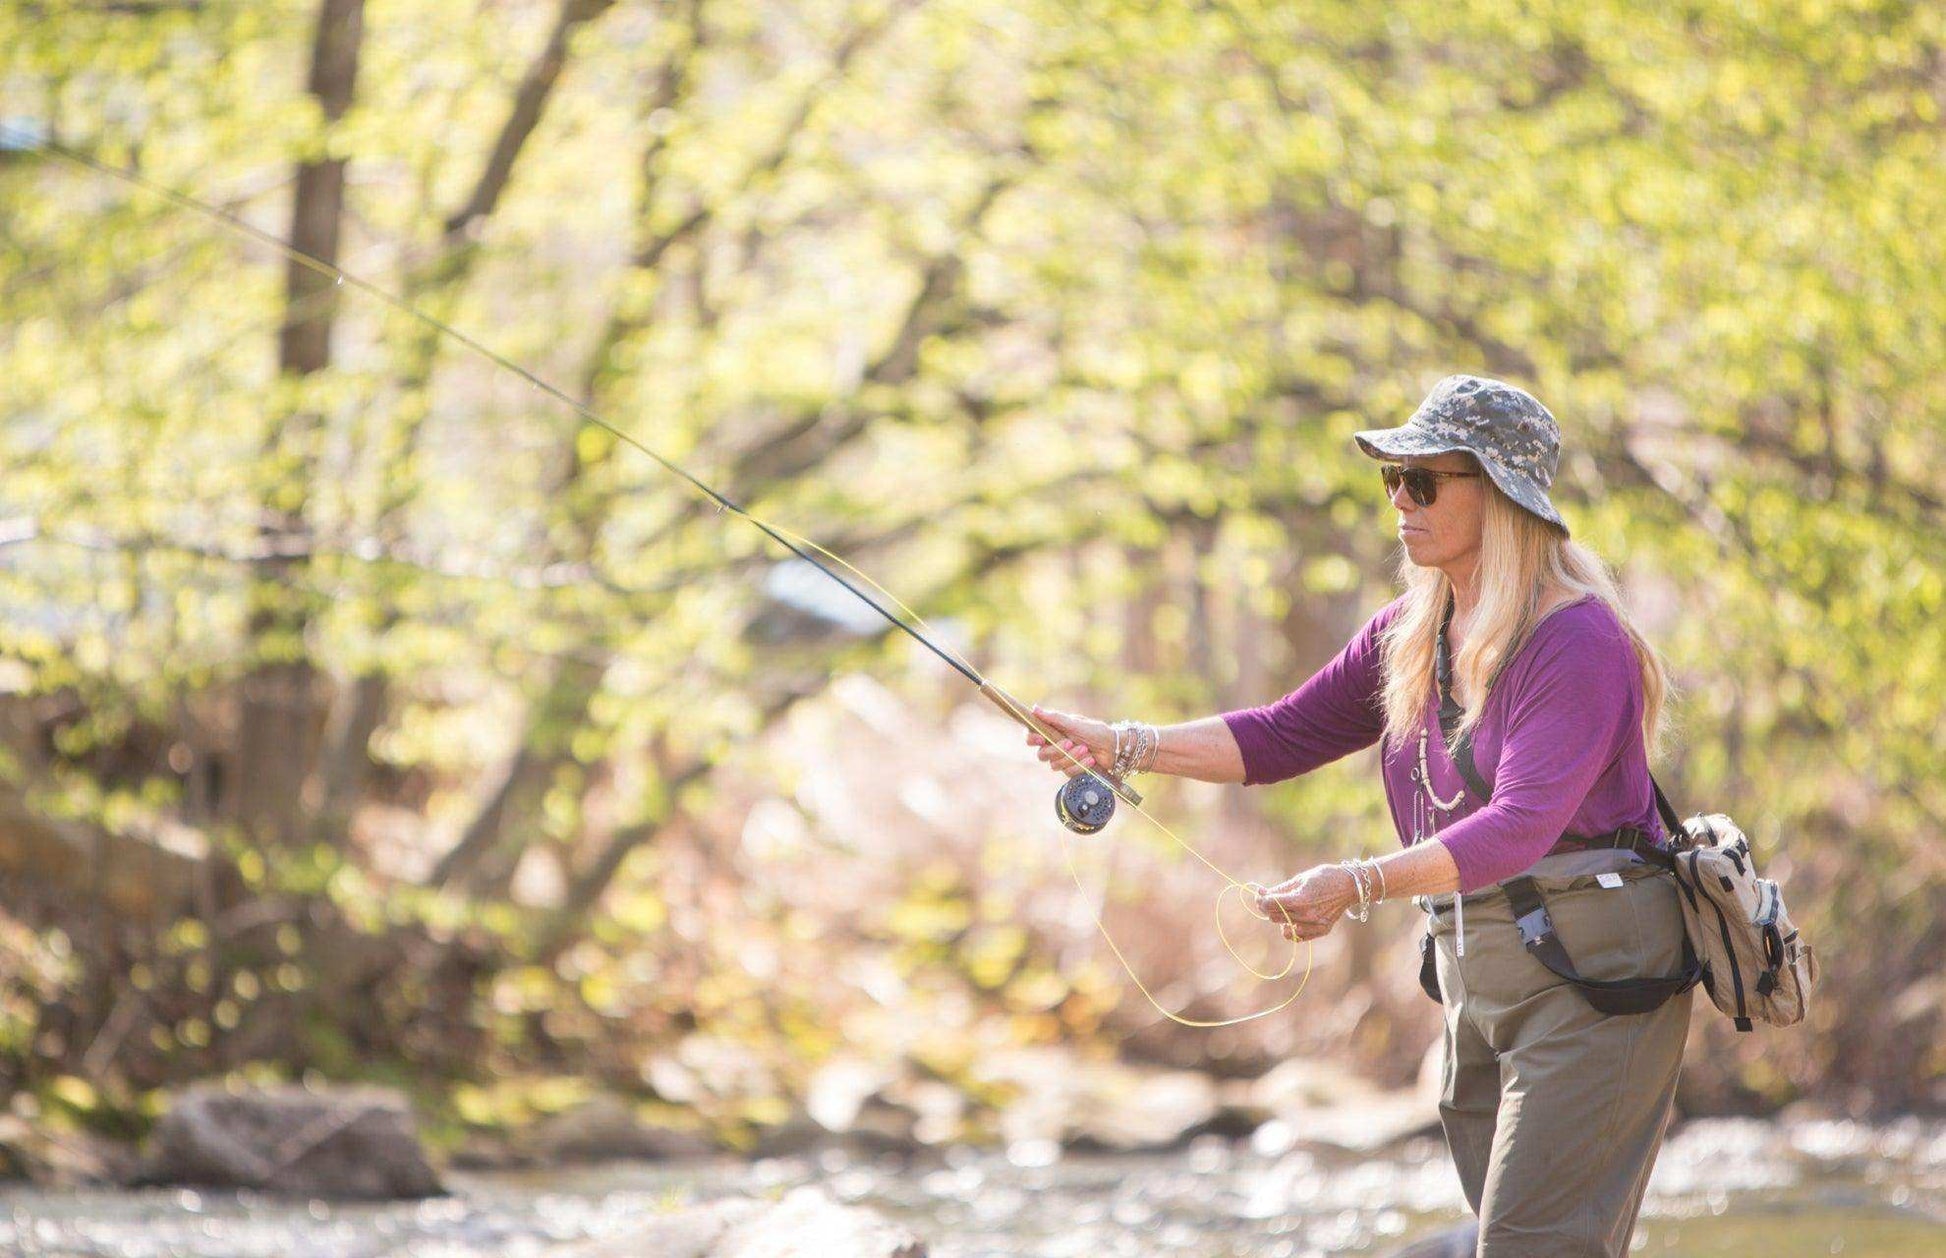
<point x="1513" y="436"/>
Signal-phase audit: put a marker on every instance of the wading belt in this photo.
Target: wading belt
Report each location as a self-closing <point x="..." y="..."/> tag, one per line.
<point x="1531" y="918"/>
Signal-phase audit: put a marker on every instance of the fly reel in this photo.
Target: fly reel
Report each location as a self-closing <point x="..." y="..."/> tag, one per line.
<point x="1086" y="802"/>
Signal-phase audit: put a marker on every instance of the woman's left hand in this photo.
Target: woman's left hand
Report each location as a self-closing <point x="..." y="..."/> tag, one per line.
<point x="1310" y="904"/>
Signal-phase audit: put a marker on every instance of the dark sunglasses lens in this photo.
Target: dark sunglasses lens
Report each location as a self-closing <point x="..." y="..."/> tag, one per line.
<point x="1423" y="488"/>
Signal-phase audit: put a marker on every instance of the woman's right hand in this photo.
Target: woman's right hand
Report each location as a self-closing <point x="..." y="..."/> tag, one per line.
<point x="1090" y="741"/>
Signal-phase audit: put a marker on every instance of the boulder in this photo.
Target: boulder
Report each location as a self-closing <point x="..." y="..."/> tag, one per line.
<point x="604" y="1129"/>
<point x="1318" y="1103"/>
<point x="1124" y="1110"/>
<point x="334" y="1143"/>
<point x="1064" y="1100"/>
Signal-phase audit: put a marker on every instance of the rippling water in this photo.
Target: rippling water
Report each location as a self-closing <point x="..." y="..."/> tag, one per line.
<point x="1722" y="1187"/>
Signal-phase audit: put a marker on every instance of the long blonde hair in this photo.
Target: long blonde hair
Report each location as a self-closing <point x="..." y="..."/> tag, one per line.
<point x="1521" y="559"/>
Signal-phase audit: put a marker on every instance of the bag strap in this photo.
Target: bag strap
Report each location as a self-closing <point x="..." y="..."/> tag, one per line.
<point x="1451" y="713"/>
<point x="1531" y="918"/>
<point x="1460" y="748"/>
<point x="1627" y="995"/>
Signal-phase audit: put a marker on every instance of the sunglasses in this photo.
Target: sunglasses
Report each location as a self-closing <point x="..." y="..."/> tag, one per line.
<point x="1421" y="482"/>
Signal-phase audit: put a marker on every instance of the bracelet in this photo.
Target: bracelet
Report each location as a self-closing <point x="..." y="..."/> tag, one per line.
<point x="1136" y="745"/>
<point x="1364" y="875"/>
<point x="1363" y="911"/>
<point x="1123" y="746"/>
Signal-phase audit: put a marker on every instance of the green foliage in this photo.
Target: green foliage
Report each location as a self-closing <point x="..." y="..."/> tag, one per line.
<point x="1055" y="317"/>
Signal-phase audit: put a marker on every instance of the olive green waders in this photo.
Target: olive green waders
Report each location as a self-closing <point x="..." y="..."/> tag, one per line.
<point x="1553" y="1111"/>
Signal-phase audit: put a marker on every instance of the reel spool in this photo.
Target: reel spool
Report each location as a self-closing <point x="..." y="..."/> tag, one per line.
<point x="1084" y="803"/>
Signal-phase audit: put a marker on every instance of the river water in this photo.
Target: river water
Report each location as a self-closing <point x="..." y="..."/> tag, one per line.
<point x="1721" y="1187"/>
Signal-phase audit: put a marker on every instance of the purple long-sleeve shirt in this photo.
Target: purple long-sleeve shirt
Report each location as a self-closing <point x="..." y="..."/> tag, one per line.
<point x="1560" y="742"/>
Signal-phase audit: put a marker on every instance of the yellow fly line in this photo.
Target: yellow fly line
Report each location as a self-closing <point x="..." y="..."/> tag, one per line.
<point x="792" y="541"/>
<point x="1026" y="717"/>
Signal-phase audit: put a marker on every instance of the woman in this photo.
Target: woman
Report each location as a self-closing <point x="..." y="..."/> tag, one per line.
<point x="1554" y="1112"/>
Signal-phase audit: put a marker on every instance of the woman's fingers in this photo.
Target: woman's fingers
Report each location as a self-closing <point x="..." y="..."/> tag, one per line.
<point x="1283" y="888"/>
<point x="1063" y="757"/>
<point x="1305" y="928"/>
<point x="1071" y="755"/>
<point x="1287" y="903"/>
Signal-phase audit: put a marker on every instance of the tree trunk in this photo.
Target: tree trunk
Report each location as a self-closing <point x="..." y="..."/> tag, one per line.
<point x="280" y="719"/>
<point x="346" y="766"/>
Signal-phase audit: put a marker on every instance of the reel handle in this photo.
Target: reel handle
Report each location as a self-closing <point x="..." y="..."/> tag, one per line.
<point x="1024" y="714"/>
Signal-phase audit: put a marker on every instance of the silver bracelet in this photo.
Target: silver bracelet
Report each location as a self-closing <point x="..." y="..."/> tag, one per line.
<point x="1363" y="911"/>
<point x="1135" y="748"/>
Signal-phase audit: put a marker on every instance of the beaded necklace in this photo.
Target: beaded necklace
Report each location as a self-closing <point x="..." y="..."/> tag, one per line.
<point x="1428" y="809"/>
<point x="1426" y="821"/>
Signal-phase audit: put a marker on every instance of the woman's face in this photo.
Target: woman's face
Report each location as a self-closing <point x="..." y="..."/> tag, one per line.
<point x="1448" y="531"/>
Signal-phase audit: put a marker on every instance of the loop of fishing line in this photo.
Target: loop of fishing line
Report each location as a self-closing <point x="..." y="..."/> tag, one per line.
<point x="798" y="545"/>
<point x="1026" y="717"/>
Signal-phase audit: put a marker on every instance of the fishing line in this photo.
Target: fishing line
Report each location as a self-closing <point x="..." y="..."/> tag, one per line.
<point x="802" y="547"/>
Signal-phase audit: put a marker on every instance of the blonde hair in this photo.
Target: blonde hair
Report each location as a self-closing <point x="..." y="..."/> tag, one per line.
<point x="1521" y="559"/>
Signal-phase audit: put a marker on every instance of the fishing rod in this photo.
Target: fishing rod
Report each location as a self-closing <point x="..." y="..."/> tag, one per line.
<point x="1084" y="804"/>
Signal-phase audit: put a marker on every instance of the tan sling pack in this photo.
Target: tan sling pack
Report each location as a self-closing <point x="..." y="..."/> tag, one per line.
<point x="1756" y="966"/>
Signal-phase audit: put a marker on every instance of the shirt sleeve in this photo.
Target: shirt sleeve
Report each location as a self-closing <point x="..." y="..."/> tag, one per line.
<point x="1338" y="711"/>
<point x="1568" y="711"/>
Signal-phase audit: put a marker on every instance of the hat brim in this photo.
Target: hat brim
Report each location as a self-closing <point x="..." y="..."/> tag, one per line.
<point x="1388" y="445"/>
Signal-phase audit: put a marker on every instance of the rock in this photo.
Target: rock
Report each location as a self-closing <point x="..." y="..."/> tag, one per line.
<point x="1458" y="1242"/>
<point x="849" y="1096"/>
<point x="839" y="1089"/>
<point x="1128" y="1110"/>
<point x="63" y="1160"/>
<point x="1239" y="1110"/>
<point x="938" y="1109"/>
<point x="805" y="1224"/>
<point x="1367" y="1123"/>
<point x="604" y="1129"/>
<point x="1319" y="1103"/>
<point x="808" y="1224"/>
<point x="1087" y="1104"/>
<point x="796" y="1134"/>
<point x="488" y="1151"/>
<point x="353" y="1142"/>
<point x="690" y="1233"/>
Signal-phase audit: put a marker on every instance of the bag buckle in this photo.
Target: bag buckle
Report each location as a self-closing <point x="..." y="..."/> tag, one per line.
<point x="1534" y="926"/>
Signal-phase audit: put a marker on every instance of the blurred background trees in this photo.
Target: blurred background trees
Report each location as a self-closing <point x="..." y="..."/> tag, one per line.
<point x="369" y="712"/>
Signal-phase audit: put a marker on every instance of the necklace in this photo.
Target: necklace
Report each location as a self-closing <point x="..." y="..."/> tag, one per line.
<point x="1422" y="782"/>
